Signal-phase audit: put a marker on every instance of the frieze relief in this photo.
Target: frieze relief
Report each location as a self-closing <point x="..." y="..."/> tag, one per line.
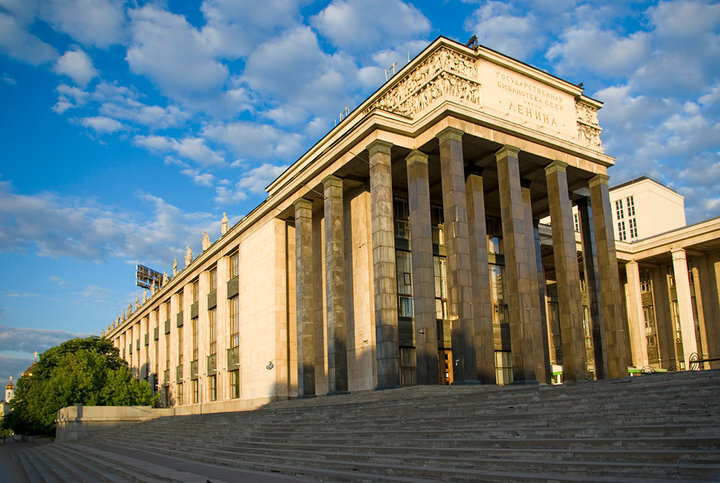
<point x="445" y="73"/>
<point x="588" y="126"/>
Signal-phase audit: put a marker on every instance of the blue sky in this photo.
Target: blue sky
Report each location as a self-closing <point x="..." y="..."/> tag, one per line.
<point x="128" y="128"/>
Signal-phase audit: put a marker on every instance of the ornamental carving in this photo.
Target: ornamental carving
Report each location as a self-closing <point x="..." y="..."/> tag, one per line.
<point x="445" y="73"/>
<point x="588" y="126"/>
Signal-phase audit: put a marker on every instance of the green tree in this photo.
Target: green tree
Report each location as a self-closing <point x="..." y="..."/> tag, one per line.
<point x="84" y="371"/>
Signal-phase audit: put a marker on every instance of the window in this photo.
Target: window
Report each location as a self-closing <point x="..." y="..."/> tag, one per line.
<point x="194" y="325"/>
<point x="234" y="265"/>
<point x="403" y="264"/>
<point x="234" y="323"/>
<point x="212" y="331"/>
<point x="195" y="391"/>
<point x="167" y="352"/>
<point x="645" y="282"/>
<point x="212" y="388"/>
<point x="179" y="393"/>
<point x="503" y="367"/>
<point x="234" y="384"/>
<point x="576" y="222"/>
<point x="180" y="345"/>
<point x="630" y="206"/>
<point x="402" y="224"/>
<point x="408" y="372"/>
<point x="440" y="273"/>
<point x="195" y="291"/>
<point x="622" y="236"/>
<point x="180" y="299"/>
<point x="632" y="225"/>
<point x="213" y="279"/>
<point x="619" y="213"/>
<point x="438" y="228"/>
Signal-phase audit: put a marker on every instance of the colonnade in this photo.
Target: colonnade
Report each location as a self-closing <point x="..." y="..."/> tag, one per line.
<point x="469" y="298"/>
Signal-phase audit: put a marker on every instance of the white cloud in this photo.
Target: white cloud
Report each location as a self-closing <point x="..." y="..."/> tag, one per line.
<point x="19" y="44"/>
<point x="69" y="97"/>
<point x="198" y="177"/>
<point x="366" y="25"/>
<point x="258" y="141"/>
<point x="77" y="65"/>
<point x="235" y="27"/>
<point x="91" y="22"/>
<point x="229" y="195"/>
<point x="611" y="53"/>
<point x="498" y="27"/>
<point x="55" y="226"/>
<point x="173" y="54"/>
<point x="101" y="124"/>
<point x="257" y="179"/>
<point x="190" y="148"/>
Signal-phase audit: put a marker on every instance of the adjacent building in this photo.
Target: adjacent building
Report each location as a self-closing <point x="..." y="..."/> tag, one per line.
<point x="404" y="248"/>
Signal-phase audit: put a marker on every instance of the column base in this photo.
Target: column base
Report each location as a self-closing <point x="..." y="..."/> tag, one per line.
<point x="337" y="393"/>
<point x="469" y="382"/>
<point x="532" y="382"/>
<point x="384" y="388"/>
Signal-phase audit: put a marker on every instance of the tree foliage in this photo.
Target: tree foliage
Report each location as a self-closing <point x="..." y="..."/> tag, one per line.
<point x="85" y="371"/>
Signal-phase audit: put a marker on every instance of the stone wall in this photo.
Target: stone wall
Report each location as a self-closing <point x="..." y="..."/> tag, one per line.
<point x="77" y="422"/>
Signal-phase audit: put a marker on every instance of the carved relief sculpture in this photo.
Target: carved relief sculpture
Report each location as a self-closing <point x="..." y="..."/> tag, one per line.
<point x="588" y="127"/>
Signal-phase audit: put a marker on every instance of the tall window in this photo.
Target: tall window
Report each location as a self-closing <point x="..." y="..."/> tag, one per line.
<point x="402" y="215"/>
<point x="622" y="235"/>
<point x="195" y="392"/>
<point x="234" y="265"/>
<point x="195" y="291"/>
<point x="404" y="282"/>
<point x="212" y="388"/>
<point x="167" y="352"/>
<point x="194" y="325"/>
<point x="234" y="384"/>
<point x="180" y="393"/>
<point x="576" y="222"/>
<point x="632" y="225"/>
<point x="213" y="279"/>
<point x="630" y="206"/>
<point x="440" y="275"/>
<point x="234" y="323"/>
<point x="180" y="300"/>
<point x="438" y="227"/>
<point x="180" y="344"/>
<point x="212" y="331"/>
<point x="619" y="212"/>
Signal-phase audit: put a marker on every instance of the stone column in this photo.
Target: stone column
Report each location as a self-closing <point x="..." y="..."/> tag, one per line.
<point x="517" y="271"/>
<point x="335" y="286"/>
<point x="687" y="320"/>
<point x="542" y="302"/>
<point x="592" y="280"/>
<point x="383" y="253"/>
<point x="664" y="322"/>
<point x="702" y="339"/>
<point x="567" y="273"/>
<point x="710" y="294"/>
<point x="636" y="317"/>
<point x="617" y="349"/>
<point x="542" y="365"/>
<point x="457" y="243"/>
<point x="482" y="300"/>
<point x="423" y="278"/>
<point x="304" y="298"/>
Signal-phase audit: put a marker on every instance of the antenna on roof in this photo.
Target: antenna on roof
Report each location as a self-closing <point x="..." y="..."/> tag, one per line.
<point x="390" y="71"/>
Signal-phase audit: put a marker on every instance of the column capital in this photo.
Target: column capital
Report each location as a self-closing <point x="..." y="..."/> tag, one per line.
<point x="632" y="263"/>
<point x="556" y="166"/>
<point x="302" y="203"/>
<point x="474" y="170"/>
<point x="379" y="146"/>
<point x="450" y="134"/>
<point x="678" y="254"/>
<point x="332" y="181"/>
<point x="416" y="156"/>
<point x="507" y="151"/>
<point x="599" y="179"/>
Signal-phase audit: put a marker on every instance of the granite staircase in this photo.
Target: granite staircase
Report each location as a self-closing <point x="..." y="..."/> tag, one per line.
<point x="653" y="427"/>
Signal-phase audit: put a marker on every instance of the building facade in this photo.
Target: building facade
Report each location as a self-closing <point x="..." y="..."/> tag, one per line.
<point x="405" y="248"/>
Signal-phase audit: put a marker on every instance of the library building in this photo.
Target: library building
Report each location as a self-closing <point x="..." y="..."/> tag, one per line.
<point x="458" y="227"/>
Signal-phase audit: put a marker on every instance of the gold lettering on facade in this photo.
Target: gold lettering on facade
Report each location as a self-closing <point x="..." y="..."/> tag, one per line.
<point x="445" y="73"/>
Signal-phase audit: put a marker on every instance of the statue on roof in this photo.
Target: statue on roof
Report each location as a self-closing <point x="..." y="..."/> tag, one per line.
<point x="175" y="268"/>
<point x="224" y="223"/>
<point x="205" y="241"/>
<point x="188" y="256"/>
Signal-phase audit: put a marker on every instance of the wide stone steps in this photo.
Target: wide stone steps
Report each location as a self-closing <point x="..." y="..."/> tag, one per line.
<point x="657" y="427"/>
